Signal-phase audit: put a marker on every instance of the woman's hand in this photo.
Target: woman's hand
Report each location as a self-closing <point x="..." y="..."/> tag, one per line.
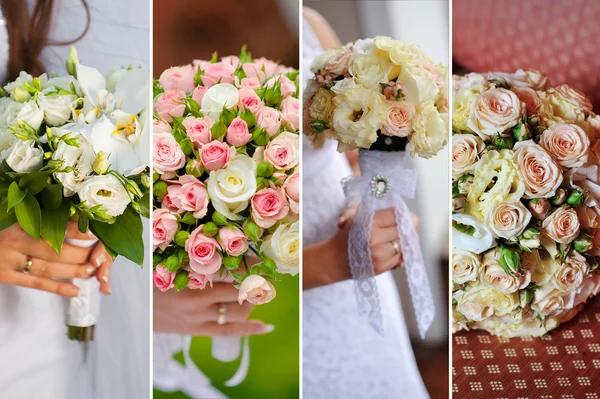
<point x="20" y="251"/>
<point x="194" y="312"/>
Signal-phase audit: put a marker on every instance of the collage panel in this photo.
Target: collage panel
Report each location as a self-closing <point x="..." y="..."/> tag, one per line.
<point x="74" y="199"/>
<point x="226" y="200"/>
<point x="526" y="189"/>
<point x="375" y="199"/>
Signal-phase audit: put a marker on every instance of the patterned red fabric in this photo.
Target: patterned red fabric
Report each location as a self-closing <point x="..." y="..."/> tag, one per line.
<point x="564" y="364"/>
<point x="558" y="37"/>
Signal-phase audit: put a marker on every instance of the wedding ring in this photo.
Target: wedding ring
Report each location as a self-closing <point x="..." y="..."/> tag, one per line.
<point x="222" y="314"/>
<point x="396" y="245"/>
<point x="27" y="265"/>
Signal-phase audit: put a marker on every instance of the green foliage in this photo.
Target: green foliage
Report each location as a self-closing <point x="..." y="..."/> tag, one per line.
<point x="54" y="226"/>
<point x="29" y="215"/>
<point x="124" y="236"/>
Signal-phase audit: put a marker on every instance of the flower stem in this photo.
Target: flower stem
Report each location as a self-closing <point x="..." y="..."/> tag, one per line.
<point x="81" y="334"/>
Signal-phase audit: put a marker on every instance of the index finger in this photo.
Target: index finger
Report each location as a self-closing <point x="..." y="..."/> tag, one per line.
<point x="385" y="218"/>
<point x="39" y="283"/>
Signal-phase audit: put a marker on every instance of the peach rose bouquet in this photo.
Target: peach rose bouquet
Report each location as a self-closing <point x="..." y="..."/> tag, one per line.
<point x="226" y="161"/>
<point x="526" y="199"/>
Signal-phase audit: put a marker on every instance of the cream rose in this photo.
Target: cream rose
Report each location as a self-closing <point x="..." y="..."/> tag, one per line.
<point x="570" y="275"/>
<point x="398" y="119"/>
<point x="342" y="86"/>
<point x="256" y="290"/>
<point x="465" y="266"/>
<point x="549" y="301"/>
<point x="321" y="107"/>
<point x="370" y="70"/>
<point x="562" y="225"/>
<point x="430" y="131"/>
<point x="508" y="220"/>
<point x="493" y="112"/>
<point x="465" y="152"/>
<point x="106" y="191"/>
<point x="283" y="246"/>
<point x="461" y="109"/>
<point x="479" y="303"/>
<point x="419" y="86"/>
<point x="492" y="275"/>
<point x="540" y="173"/>
<point x="320" y="62"/>
<point x="231" y="188"/>
<point x="339" y="62"/>
<point x="217" y="97"/>
<point x="522" y="78"/>
<point x="567" y="144"/>
<point x="358" y="115"/>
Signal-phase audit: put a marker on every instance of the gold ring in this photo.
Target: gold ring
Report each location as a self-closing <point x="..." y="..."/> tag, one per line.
<point x="27" y="265"/>
<point x="222" y="314"/>
<point x="396" y="245"/>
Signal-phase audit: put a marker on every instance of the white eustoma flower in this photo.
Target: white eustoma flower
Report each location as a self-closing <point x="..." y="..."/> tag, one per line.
<point x="481" y="240"/>
<point x="107" y="191"/>
<point x="23" y="156"/>
<point x="31" y="114"/>
<point x="56" y="107"/>
<point x="81" y="159"/>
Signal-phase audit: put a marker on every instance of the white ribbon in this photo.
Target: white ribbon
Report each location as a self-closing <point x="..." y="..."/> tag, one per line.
<point x="401" y="182"/>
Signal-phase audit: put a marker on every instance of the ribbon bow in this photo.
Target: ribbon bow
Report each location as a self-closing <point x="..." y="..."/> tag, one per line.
<point x="371" y="192"/>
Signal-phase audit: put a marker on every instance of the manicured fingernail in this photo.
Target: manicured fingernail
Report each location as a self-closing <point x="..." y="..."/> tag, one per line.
<point x="109" y="291"/>
<point x="267" y="328"/>
<point x="105" y="279"/>
<point x="90" y="269"/>
<point x="100" y="260"/>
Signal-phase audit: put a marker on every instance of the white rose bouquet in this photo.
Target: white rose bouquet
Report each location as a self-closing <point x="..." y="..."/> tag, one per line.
<point x="526" y="199"/>
<point x="378" y="95"/>
<point x="74" y="147"/>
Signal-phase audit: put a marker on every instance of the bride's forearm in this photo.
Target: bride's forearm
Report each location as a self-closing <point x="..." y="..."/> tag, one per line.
<point x="325" y="263"/>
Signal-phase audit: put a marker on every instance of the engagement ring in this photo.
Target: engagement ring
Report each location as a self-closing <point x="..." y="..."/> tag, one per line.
<point x="27" y="265"/>
<point x="222" y="314"/>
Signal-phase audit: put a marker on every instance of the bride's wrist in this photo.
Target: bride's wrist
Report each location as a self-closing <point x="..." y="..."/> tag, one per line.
<point x="335" y="257"/>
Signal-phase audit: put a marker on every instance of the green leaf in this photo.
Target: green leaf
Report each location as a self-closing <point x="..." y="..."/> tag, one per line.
<point x="4" y="189"/>
<point x="124" y="236"/>
<point x="16" y="194"/>
<point x="52" y="196"/>
<point x="218" y="130"/>
<point x="7" y="218"/>
<point x="35" y="181"/>
<point x="83" y="224"/>
<point x="29" y="215"/>
<point x="54" y="227"/>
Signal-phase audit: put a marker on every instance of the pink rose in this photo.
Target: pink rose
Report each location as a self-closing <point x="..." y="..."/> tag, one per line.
<point x="159" y="126"/>
<point x="278" y="178"/>
<point x="256" y="290"/>
<point x="540" y="173"/>
<point x="164" y="227"/>
<point x="250" y="83"/>
<point x="562" y="225"/>
<point x="339" y="62"/>
<point x="172" y="200"/>
<point x="170" y="104"/>
<point x="529" y="97"/>
<point x="220" y="72"/>
<point x="268" y="206"/>
<point x="200" y="64"/>
<point x="168" y="156"/>
<point x="287" y="87"/>
<point x="163" y="279"/>
<point x="232" y="60"/>
<point x="398" y="119"/>
<point x="237" y="133"/>
<point x="251" y="100"/>
<point x="198" y="130"/>
<point x="198" y="94"/>
<point x="493" y="112"/>
<point x="283" y="151"/>
<point x="567" y="144"/>
<point x="178" y="78"/>
<point x="588" y="217"/>
<point x="234" y="242"/>
<point x="198" y="281"/>
<point x="204" y="252"/>
<point x="291" y="187"/>
<point x="290" y="113"/>
<point x="216" y="155"/>
<point x="433" y="72"/>
<point x="269" y="67"/>
<point x="193" y="196"/>
<point x="522" y="78"/>
<point x="270" y="120"/>
<point x="254" y="70"/>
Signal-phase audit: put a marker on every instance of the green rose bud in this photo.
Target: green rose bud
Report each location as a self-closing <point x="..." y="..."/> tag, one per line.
<point x="186" y="146"/>
<point x="525" y="297"/>
<point x="531" y="233"/>
<point x="156" y="259"/>
<point x="520" y="132"/>
<point x="100" y="164"/>
<point x="260" y="137"/>
<point x="232" y="262"/>
<point x="318" y="126"/>
<point x="218" y="130"/>
<point x="21" y="95"/>
<point x="194" y="168"/>
<point x="188" y="218"/>
<point x="252" y="231"/>
<point x="219" y="219"/>
<point x="576" y="198"/>
<point x="227" y="116"/>
<point x="268" y="265"/>
<point x="510" y="261"/>
<point x="72" y="61"/>
<point x="181" y="280"/>
<point x="559" y="198"/>
<point x="160" y="189"/>
<point x="248" y="117"/>
<point x="181" y="237"/>
<point x="172" y="263"/>
<point x="265" y="169"/>
<point x="261" y="183"/>
<point x="583" y="243"/>
<point x="504" y="142"/>
<point x="210" y="229"/>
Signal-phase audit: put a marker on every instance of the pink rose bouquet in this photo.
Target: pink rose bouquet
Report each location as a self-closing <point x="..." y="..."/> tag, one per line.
<point x="526" y="195"/>
<point x="226" y="163"/>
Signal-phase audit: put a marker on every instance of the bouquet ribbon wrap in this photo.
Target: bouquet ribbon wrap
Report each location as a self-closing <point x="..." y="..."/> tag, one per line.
<point x="83" y="310"/>
<point x="383" y="183"/>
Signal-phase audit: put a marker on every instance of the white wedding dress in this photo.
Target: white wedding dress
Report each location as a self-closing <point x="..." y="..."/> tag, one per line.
<point x="343" y="357"/>
<point x="36" y="358"/>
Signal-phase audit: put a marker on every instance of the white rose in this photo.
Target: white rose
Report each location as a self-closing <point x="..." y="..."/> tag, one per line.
<point x="465" y="152"/>
<point x="363" y="46"/>
<point x="342" y="86"/>
<point x="283" y="246"/>
<point x="56" y="107"/>
<point x="508" y="220"/>
<point x="231" y="188"/>
<point x="24" y="156"/>
<point x="492" y="275"/>
<point x="430" y="131"/>
<point x="588" y="288"/>
<point x="321" y="60"/>
<point x="465" y="266"/>
<point x="107" y="191"/>
<point x="479" y="241"/>
<point x="79" y="158"/>
<point x="32" y="115"/>
<point x="479" y="303"/>
<point x="217" y="97"/>
<point x="549" y="301"/>
<point x="569" y="276"/>
<point x="370" y="70"/>
<point x="420" y="87"/>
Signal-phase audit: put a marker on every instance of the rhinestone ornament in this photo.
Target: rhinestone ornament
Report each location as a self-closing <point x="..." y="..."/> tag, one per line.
<point x="380" y="186"/>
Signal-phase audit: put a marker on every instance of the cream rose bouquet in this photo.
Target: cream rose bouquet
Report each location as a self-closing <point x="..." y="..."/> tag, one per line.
<point x="378" y="95"/>
<point x="73" y="147"/>
<point x="226" y="181"/>
<point x="526" y="199"/>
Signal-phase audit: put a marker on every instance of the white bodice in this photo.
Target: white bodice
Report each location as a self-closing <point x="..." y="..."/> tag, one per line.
<point x="342" y="356"/>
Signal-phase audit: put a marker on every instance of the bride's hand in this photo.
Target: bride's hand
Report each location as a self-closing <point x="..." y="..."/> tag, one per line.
<point x="20" y="251"/>
<point x="194" y="312"/>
